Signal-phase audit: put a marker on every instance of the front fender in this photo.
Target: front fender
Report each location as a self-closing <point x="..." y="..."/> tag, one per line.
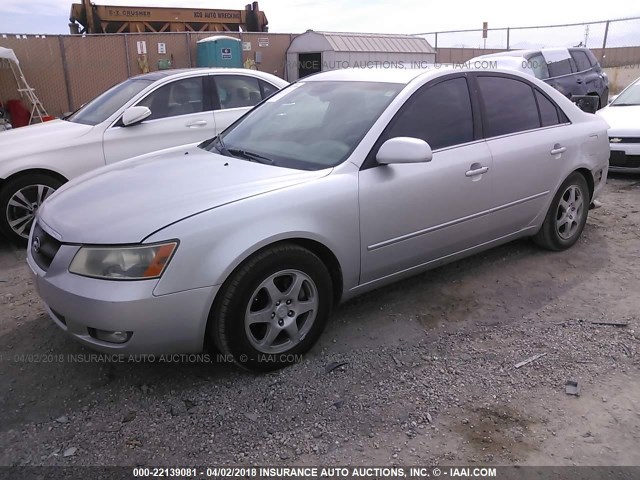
<point x="215" y="242"/>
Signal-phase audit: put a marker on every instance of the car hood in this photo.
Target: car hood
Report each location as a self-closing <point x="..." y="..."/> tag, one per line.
<point x="623" y="121"/>
<point x="128" y="201"/>
<point x="40" y="137"/>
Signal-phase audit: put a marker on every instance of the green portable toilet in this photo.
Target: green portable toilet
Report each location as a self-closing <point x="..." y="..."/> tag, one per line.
<point x="219" y="51"/>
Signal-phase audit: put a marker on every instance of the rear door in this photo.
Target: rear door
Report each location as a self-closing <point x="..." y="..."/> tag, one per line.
<point x="181" y="113"/>
<point x="562" y="72"/>
<point x="587" y="76"/>
<point x="411" y="214"/>
<point x="527" y="135"/>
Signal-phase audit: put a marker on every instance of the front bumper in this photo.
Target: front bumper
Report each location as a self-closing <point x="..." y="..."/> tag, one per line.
<point x="625" y="157"/>
<point x="172" y="323"/>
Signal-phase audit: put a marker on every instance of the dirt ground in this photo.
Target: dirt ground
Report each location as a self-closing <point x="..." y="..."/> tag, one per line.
<point x="429" y="377"/>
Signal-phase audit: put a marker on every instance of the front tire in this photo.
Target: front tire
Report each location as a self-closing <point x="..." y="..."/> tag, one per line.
<point x="567" y="215"/>
<point x="20" y="199"/>
<point x="272" y="309"/>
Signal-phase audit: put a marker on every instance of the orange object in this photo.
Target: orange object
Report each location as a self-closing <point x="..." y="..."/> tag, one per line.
<point x="160" y="260"/>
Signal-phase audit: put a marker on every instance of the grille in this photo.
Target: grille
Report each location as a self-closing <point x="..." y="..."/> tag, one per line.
<point x="626" y="139"/>
<point x="43" y="247"/>
<point x="620" y="159"/>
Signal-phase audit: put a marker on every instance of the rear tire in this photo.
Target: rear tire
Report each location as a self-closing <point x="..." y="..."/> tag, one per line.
<point x="20" y="199"/>
<point x="272" y="309"/>
<point x="567" y="215"/>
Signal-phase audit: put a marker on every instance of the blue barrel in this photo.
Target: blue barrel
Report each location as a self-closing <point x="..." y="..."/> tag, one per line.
<point x="219" y="51"/>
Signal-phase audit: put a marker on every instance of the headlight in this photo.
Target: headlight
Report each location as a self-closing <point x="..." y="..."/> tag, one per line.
<point x="123" y="263"/>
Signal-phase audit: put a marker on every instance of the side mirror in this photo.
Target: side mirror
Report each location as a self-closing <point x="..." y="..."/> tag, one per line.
<point x="135" y="115"/>
<point x="404" y="150"/>
<point x="586" y="103"/>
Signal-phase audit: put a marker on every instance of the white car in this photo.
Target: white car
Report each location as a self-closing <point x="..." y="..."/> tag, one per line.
<point x="623" y="116"/>
<point x="140" y="115"/>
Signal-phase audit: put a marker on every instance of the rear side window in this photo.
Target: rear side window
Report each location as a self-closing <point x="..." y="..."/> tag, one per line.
<point x="562" y="67"/>
<point x="582" y="60"/>
<point x="548" y="111"/>
<point x="236" y="91"/>
<point x="439" y="114"/>
<point x="267" y="89"/>
<point x="509" y="105"/>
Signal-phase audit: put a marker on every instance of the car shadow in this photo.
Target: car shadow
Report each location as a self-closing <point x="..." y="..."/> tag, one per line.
<point x="46" y="373"/>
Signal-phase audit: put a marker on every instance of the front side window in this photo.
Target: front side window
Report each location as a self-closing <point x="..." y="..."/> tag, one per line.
<point x="181" y="97"/>
<point x="509" y="106"/>
<point x="235" y="91"/>
<point x="309" y="125"/>
<point x="581" y="59"/>
<point x="439" y="114"/>
<point x="102" y="107"/>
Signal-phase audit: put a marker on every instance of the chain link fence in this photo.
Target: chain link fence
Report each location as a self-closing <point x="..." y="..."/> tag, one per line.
<point x="600" y="36"/>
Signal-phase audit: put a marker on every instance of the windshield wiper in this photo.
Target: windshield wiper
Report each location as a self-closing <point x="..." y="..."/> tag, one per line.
<point x="218" y="144"/>
<point x="254" y="157"/>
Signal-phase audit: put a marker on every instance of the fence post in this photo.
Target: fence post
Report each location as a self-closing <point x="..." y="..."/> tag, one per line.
<point x="508" y="34"/>
<point x="65" y="71"/>
<point x="436" y="47"/>
<point x="604" y="42"/>
<point x="126" y="52"/>
<point x="187" y="36"/>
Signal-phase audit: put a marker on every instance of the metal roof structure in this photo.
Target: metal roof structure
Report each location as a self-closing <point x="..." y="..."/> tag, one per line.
<point x="365" y="42"/>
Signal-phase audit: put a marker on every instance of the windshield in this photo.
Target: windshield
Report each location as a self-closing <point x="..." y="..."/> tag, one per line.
<point x="105" y="105"/>
<point x="308" y="126"/>
<point x="631" y="96"/>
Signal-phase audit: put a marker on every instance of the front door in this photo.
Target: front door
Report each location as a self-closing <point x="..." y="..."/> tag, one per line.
<point x="181" y="113"/>
<point x="412" y="214"/>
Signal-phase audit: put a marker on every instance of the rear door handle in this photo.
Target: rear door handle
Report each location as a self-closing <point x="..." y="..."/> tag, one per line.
<point x="558" y="149"/>
<point x="578" y="80"/>
<point x="477" y="171"/>
<point x="198" y="123"/>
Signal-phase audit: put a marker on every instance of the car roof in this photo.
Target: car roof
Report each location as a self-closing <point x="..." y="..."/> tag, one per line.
<point x="177" y="72"/>
<point x="381" y="75"/>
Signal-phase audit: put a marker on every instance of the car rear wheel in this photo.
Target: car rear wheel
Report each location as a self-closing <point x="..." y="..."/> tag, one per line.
<point x="567" y="215"/>
<point x="20" y="199"/>
<point x="272" y="309"/>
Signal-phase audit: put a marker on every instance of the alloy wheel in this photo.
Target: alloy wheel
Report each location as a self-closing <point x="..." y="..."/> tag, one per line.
<point x="23" y="205"/>
<point x="569" y="213"/>
<point x="281" y="311"/>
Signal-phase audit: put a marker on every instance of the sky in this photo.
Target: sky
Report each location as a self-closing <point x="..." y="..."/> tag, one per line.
<point x="381" y="16"/>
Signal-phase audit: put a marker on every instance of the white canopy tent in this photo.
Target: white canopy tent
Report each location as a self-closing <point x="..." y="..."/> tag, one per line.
<point x="8" y="56"/>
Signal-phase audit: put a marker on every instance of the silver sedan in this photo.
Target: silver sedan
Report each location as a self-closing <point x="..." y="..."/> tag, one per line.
<point x="341" y="183"/>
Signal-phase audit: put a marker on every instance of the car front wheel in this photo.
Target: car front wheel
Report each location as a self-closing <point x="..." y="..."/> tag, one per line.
<point x="273" y="308"/>
<point x="20" y="199"/>
<point x="567" y="215"/>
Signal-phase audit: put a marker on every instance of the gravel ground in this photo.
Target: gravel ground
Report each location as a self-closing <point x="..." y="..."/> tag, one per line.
<point x="428" y="375"/>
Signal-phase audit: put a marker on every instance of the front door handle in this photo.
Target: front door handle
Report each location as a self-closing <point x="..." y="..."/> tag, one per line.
<point x="477" y="171"/>
<point x="578" y="80"/>
<point x="558" y="149"/>
<point x="198" y="123"/>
